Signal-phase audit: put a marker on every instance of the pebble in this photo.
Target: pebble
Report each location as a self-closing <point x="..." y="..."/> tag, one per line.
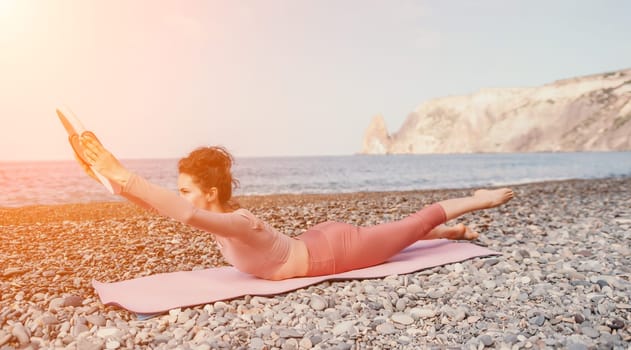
<point x="112" y="344"/>
<point x="305" y="343"/>
<point x="489" y="284"/>
<point x="402" y="318"/>
<point x="422" y="313"/>
<point x="491" y="261"/>
<point x="315" y="339"/>
<point x="179" y="333"/>
<point x="590" y="332"/>
<point x="73" y="300"/>
<point x="85" y="344"/>
<point x="435" y="294"/>
<point x="13" y="271"/>
<point x="318" y="303"/>
<point x="486" y="340"/>
<point x="107" y="332"/>
<point x="615" y="323"/>
<point x="404" y="340"/>
<point x="4" y="337"/>
<point x="22" y="335"/>
<point x="49" y="320"/>
<point x="577" y="346"/>
<point x="291" y="333"/>
<point x="78" y="329"/>
<point x="257" y="344"/>
<point x="459" y="314"/>
<point x="386" y="328"/>
<point x="561" y="281"/>
<point x="414" y="289"/>
<point x="343" y="327"/>
<point x="97" y="320"/>
<point x="538" y="320"/>
<point x="203" y="318"/>
<point x="56" y="303"/>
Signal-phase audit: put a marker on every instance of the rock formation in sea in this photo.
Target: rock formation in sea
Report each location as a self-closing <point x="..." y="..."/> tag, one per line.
<point x="588" y="113"/>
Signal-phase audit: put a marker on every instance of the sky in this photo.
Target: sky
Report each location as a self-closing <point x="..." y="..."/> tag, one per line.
<point x="155" y="79"/>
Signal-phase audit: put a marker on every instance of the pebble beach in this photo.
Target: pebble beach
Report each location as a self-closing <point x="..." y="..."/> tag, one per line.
<point x="563" y="279"/>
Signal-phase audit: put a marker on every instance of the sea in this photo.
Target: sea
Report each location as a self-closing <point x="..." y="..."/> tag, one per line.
<point x="62" y="182"/>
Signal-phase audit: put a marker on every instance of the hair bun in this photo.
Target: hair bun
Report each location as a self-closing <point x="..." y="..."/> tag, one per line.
<point x="211" y="167"/>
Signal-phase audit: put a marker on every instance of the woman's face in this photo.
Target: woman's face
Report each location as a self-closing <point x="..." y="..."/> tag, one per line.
<point x="191" y="191"/>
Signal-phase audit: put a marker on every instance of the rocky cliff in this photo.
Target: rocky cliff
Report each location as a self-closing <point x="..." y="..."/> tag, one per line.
<point x="590" y="113"/>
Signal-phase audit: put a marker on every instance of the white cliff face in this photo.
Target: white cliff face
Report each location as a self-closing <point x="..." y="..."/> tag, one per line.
<point x="591" y="113"/>
<point x="376" y="139"/>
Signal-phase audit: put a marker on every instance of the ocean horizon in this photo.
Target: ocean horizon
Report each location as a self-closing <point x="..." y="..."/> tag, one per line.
<point x="26" y="183"/>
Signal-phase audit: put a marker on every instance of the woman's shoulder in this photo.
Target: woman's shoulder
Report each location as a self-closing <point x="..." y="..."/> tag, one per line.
<point x="255" y="222"/>
<point x="243" y="212"/>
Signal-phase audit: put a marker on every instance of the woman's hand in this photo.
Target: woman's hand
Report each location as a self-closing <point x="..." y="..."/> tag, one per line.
<point x="86" y="167"/>
<point x="101" y="160"/>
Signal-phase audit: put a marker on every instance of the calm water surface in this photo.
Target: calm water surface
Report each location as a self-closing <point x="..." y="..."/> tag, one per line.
<point x="58" y="182"/>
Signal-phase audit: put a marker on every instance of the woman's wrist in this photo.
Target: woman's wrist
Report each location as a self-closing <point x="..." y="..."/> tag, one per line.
<point x="121" y="177"/>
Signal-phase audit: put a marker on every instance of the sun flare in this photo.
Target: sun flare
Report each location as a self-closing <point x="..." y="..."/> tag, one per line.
<point x="12" y="19"/>
<point x="7" y="8"/>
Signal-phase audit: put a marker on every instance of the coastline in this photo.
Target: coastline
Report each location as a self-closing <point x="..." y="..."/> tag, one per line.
<point x="565" y="247"/>
<point x="81" y="211"/>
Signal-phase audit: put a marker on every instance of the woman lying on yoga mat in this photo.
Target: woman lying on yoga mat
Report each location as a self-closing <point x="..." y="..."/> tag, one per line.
<point x="205" y="185"/>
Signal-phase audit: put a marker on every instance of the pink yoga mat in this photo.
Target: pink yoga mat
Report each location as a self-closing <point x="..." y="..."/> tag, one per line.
<point x="162" y="292"/>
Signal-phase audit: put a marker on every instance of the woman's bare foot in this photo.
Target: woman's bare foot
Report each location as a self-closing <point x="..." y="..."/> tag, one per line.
<point x="457" y="232"/>
<point x="494" y="198"/>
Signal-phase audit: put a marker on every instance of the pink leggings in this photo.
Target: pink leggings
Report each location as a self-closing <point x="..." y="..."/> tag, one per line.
<point x="336" y="247"/>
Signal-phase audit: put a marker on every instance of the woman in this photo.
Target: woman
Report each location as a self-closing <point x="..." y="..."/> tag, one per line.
<point x="252" y="246"/>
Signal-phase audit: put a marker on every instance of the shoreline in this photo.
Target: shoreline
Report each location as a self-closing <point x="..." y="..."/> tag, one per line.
<point x="563" y="279"/>
<point x="34" y="213"/>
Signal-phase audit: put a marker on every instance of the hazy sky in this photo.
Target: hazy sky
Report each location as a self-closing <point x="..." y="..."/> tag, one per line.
<point x="154" y="79"/>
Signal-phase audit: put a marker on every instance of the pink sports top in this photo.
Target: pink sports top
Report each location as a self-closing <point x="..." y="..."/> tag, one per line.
<point x="245" y="241"/>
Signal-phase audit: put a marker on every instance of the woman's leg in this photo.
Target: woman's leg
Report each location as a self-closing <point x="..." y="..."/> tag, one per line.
<point x="367" y="246"/>
<point x="481" y="199"/>
<point x="358" y="247"/>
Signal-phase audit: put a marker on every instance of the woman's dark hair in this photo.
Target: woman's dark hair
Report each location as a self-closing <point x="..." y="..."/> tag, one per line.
<point x="211" y="167"/>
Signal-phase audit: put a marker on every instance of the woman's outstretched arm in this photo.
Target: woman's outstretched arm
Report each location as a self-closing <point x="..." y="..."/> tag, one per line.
<point x="148" y="195"/>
